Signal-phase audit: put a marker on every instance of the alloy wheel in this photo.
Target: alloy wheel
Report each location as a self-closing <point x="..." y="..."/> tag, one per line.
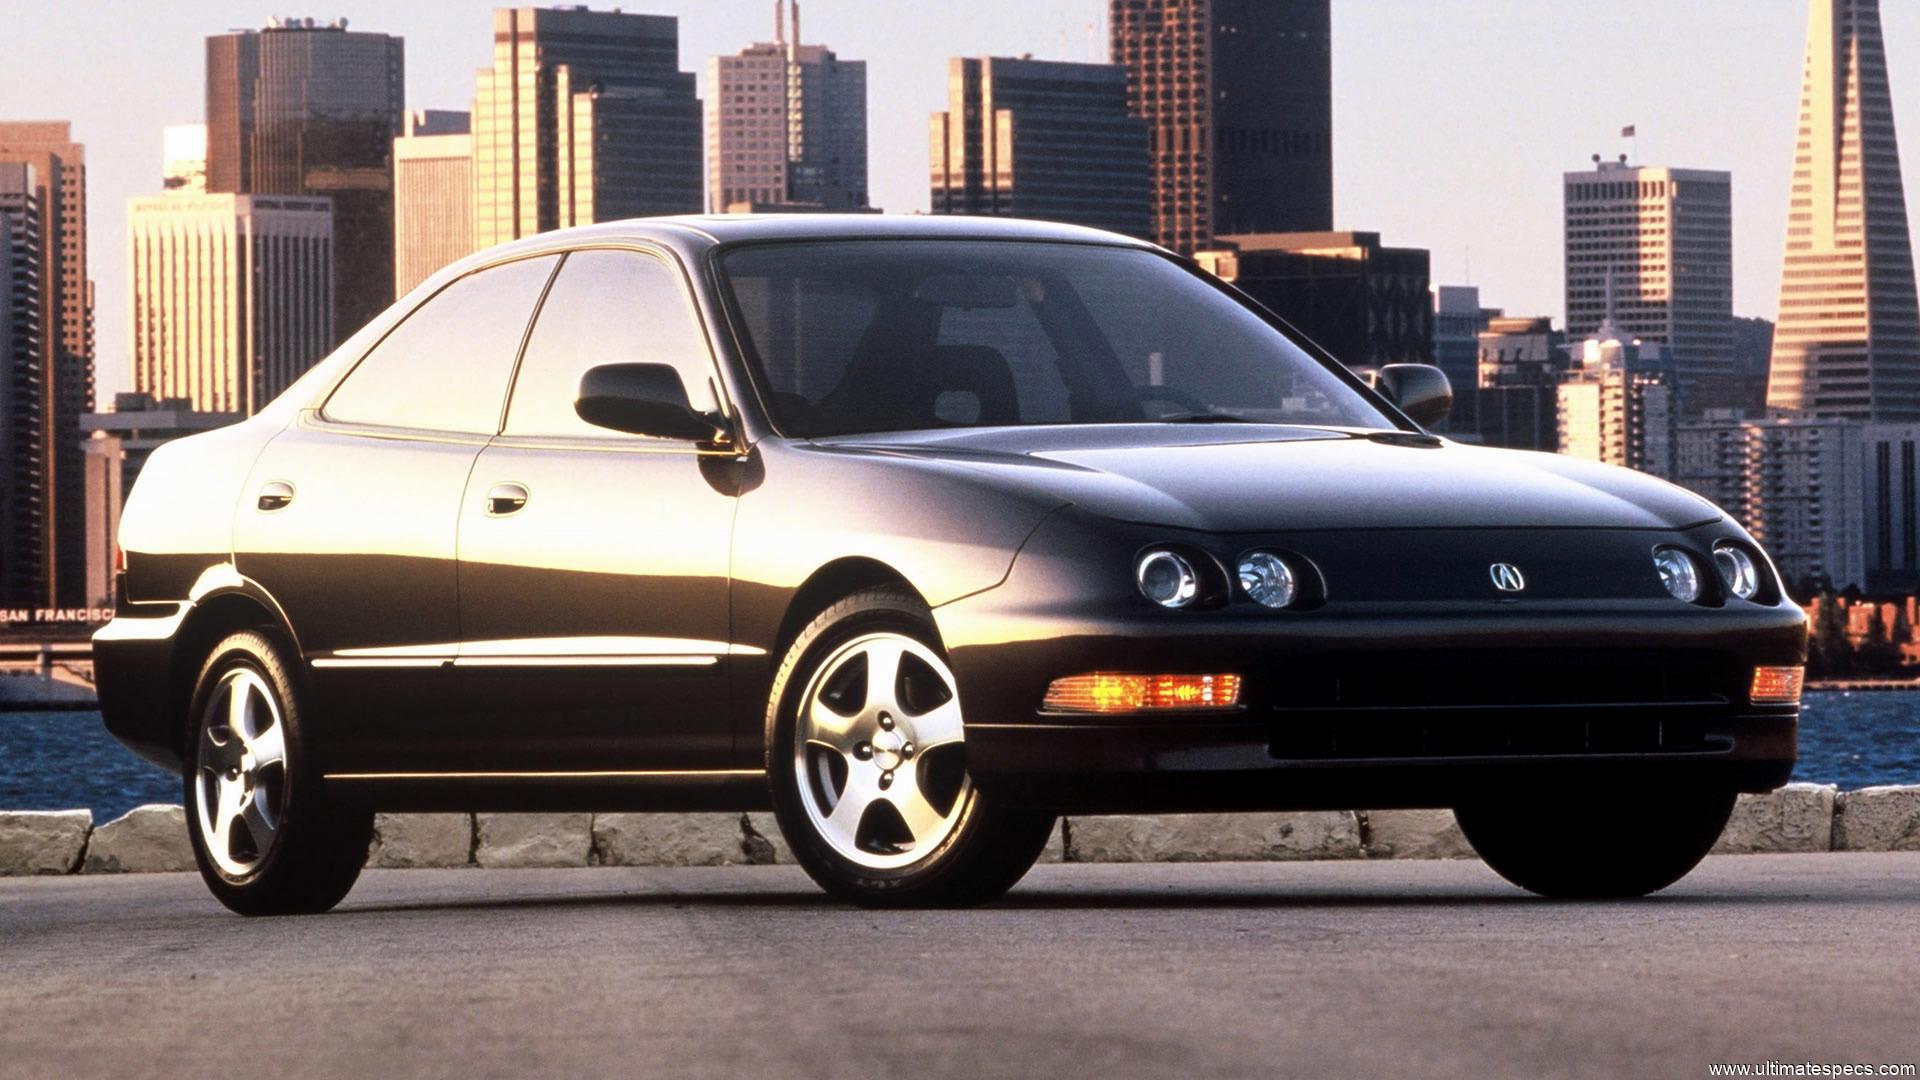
<point x="880" y="751"/>
<point x="241" y="772"/>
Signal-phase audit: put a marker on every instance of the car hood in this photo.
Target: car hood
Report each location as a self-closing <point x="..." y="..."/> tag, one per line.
<point x="1254" y="478"/>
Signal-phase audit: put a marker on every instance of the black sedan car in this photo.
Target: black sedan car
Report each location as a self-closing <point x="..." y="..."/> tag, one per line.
<point x="921" y="532"/>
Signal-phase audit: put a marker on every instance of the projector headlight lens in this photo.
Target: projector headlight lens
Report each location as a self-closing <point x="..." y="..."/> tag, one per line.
<point x="1267" y="579"/>
<point x="1677" y="573"/>
<point x="1166" y="579"/>
<point x="1737" y="571"/>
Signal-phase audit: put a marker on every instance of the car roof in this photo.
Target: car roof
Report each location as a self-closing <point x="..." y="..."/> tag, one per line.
<point x="695" y="232"/>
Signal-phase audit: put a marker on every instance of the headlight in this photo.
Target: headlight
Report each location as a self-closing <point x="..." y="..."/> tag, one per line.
<point x="1737" y="571"/>
<point x="1166" y="579"/>
<point x="1267" y="579"/>
<point x="1677" y="573"/>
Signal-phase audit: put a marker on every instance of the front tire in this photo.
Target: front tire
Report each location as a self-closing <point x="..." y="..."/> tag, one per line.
<point x="1596" y="844"/>
<point x="867" y="758"/>
<point x="267" y="839"/>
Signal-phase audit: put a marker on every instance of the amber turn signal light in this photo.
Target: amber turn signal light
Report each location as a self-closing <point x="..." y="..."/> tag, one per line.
<point x="1776" y="685"/>
<point x="1106" y="692"/>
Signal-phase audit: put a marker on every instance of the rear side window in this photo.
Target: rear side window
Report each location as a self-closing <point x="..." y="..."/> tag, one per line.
<point x="446" y="367"/>
<point x="606" y="307"/>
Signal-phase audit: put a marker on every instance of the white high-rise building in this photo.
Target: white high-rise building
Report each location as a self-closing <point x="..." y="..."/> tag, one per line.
<point x="1848" y="339"/>
<point x="232" y="296"/>
<point x="788" y="126"/>
<point x="1616" y="405"/>
<point x="1660" y="241"/>
<point x="432" y="195"/>
<point x="1797" y="483"/>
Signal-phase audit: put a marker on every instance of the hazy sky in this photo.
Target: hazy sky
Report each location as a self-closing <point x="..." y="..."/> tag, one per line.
<point x="1452" y="118"/>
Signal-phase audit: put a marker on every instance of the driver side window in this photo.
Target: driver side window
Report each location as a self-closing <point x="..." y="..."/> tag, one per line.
<point x="607" y="307"/>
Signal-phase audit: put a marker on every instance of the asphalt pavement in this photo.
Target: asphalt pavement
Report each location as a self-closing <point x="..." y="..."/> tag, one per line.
<point x="1382" y="969"/>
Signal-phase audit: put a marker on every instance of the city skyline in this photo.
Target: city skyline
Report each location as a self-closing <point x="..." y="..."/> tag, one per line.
<point x="1433" y="150"/>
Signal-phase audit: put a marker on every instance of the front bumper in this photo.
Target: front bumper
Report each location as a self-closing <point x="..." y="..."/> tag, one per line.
<point x="1387" y="706"/>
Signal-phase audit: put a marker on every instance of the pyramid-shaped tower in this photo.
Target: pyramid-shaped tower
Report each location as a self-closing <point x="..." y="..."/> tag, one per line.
<point x="1848" y="340"/>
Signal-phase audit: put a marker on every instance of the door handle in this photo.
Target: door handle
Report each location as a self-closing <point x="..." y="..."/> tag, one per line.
<point x="274" y="495"/>
<point x="506" y="499"/>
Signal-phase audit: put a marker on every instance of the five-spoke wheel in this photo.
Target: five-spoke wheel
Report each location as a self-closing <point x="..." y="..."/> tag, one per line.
<point x="267" y="837"/>
<point x="242" y="772"/>
<point x="879" y="754"/>
<point x="868" y="762"/>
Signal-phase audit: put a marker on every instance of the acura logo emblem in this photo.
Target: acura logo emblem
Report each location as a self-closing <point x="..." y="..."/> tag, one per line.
<point x="1507" y="577"/>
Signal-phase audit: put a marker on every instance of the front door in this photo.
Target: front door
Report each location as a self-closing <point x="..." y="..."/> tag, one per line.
<point x="594" y="564"/>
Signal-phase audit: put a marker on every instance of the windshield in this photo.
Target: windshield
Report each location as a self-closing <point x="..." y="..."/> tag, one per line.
<point x="851" y="337"/>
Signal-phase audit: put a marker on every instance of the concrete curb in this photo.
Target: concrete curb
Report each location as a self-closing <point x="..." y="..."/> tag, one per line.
<point x="1797" y="818"/>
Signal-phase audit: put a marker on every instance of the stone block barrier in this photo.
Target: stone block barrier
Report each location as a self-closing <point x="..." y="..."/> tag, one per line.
<point x="43" y="841"/>
<point x="1797" y="818"/>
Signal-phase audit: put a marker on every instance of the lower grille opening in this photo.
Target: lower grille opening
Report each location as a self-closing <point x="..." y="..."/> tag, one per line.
<point x="1314" y="734"/>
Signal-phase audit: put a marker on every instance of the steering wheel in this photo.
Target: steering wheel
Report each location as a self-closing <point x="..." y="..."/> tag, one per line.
<point x="1167" y="393"/>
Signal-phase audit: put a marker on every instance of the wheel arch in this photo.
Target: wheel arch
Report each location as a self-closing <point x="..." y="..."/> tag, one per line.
<point x="212" y="618"/>
<point x="835" y="581"/>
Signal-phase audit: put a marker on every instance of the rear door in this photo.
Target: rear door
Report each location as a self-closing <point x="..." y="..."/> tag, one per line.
<point x="349" y="517"/>
<point x="594" y="564"/>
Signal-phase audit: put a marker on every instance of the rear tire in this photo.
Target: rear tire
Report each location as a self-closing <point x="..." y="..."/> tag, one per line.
<point x="267" y="838"/>
<point x="1590" y="844"/>
<point x="867" y="762"/>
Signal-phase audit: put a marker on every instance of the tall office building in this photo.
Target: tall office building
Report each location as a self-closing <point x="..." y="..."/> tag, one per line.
<point x="788" y="124"/>
<point x="1238" y="98"/>
<point x="1458" y="322"/>
<point x="432" y="195"/>
<point x="1364" y="302"/>
<point x="584" y="116"/>
<point x="306" y="108"/>
<point x="66" y="339"/>
<point x="1522" y="360"/>
<point x="1848" y="339"/>
<point x="232" y="296"/>
<point x="1040" y="139"/>
<point x="23" y="533"/>
<point x="1655" y="244"/>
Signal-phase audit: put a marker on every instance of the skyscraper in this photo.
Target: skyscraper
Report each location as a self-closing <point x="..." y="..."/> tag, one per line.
<point x="303" y="108"/>
<point x="1238" y="97"/>
<point x="1364" y="302"/>
<point x="1848" y="339"/>
<point x="23" y="533"/>
<point x="66" y="340"/>
<point x="232" y="296"/>
<point x="1040" y="139"/>
<point x="1522" y="360"/>
<point x="1458" y="322"/>
<point x="432" y="195"/>
<point x="1656" y="244"/>
<point x="788" y="124"/>
<point x="584" y="116"/>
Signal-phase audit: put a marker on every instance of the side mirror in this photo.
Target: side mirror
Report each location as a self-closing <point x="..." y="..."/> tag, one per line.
<point x="642" y="399"/>
<point x="1420" y="390"/>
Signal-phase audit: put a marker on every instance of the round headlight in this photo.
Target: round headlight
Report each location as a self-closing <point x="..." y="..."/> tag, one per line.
<point x="1677" y="573"/>
<point x="1267" y="579"/>
<point x="1166" y="579"/>
<point x="1737" y="571"/>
